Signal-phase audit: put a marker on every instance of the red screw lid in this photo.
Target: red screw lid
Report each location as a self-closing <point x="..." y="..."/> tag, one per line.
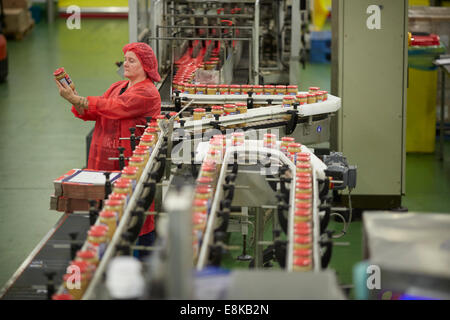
<point x="217" y="107"/>
<point x="280" y="86"/>
<point x="199" y="110"/>
<point x="302" y="231"/>
<point x="229" y="106"/>
<point x="136" y="159"/>
<point x="303" y="196"/>
<point x="314" y="88"/>
<point x="116" y="196"/>
<point x="258" y="86"/>
<point x="200" y="203"/>
<point x="223" y="86"/>
<point x="292" y="86"/>
<point x="83" y="265"/>
<point x="303" y="206"/>
<point x="303" y="174"/>
<point x="114" y="202"/>
<point x="123" y="180"/>
<point x="58" y="71"/>
<point x="237" y="134"/>
<point x="150" y="130"/>
<point x="97" y="232"/>
<point x="205" y="180"/>
<point x="246" y="86"/>
<point x="302" y="262"/>
<point x="269" y="86"/>
<point x="304" y="180"/>
<point x="302" y="165"/>
<point x="303" y="186"/>
<point x="160" y="116"/>
<point x="62" y="296"/>
<point x="142" y="147"/>
<point x="147" y="137"/>
<point x="302" y="252"/>
<point x="303" y="212"/>
<point x="85" y="254"/>
<point x="203" y="189"/>
<point x="288" y="98"/>
<point x="302" y="240"/>
<point x="294" y="145"/>
<point x="302" y="96"/>
<point x="288" y="139"/>
<point x="107" y="214"/>
<point x="241" y="104"/>
<point x="213" y="86"/>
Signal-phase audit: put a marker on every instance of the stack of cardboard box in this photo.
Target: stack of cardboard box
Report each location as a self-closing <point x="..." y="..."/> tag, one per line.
<point x="17" y="15"/>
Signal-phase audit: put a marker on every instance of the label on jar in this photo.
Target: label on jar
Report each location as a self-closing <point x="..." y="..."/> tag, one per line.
<point x="64" y="81"/>
<point x="287" y="105"/>
<point x="98" y="248"/>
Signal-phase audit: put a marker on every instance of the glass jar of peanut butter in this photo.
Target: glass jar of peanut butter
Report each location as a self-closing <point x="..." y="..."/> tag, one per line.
<point x="302" y="98"/>
<point x="280" y="90"/>
<point x="292" y="90"/>
<point x="199" y="114"/>
<point x="211" y="89"/>
<point x="235" y="89"/>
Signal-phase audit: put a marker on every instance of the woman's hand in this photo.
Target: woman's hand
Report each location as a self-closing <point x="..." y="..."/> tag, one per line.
<point x="66" y="92"/>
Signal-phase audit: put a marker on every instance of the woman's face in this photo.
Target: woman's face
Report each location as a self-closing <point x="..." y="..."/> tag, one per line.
<point x="132" y="66"/>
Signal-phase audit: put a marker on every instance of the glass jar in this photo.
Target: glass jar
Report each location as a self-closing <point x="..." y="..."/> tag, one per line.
<point x="303" y="253"/>
<point x="241" y="107"/>
<point x="203" y="192"/>
<point x="74" y="289"/>
<point x="109" y="219"/>
<point x="211" y="89"/>
<point x="303" y="174"/>
<point x="224" y="89"/>
<point x="217" y="110"/>
<point x="303" y="157"/>
<point x="189" y="88"/>
<point x="123" y="188"/>
<point x="302" y="264"/>
<point x="293" y="149"/>
<point x="269" y="89"/>
<point x="200" y="89"/>
<point x="96" y="240"/>
<point x="246" y="88"/>
<point x="270" y="140"/>
<point x="147" y="141"/>
<point x="229" y="109"/>
<point x="235" y="89"/>
<point x="311" y="98"/>
<point x="130" y="172"/>
<point x="63" y="78"/>
<point x="258" y="89"/>
<point x="210" y="65"/>
<point x="237" y="139"/>
<point x="200" y="205"/>
<point x="303" y="167"/>
<point x="199" y="114"/>
<point x="303" y="187"/>
<point x="141" y="153"/>
<point x="288" y="101"/>
<point x="302" y="215"/>
<point x="325" y="95"/>
<point x="88" y="256"/>
<point x="303" y="198"/>
<point x="151" y="131"/>
<point x="205" y="181"/>
<point x="139" y="163"/>
<point x="285" y="141"/>
<point x="280" y="90"/>
<point x="208" y="171"/>
<point x="302" y="98"/>
<point x="292" y="90"/>
<point x="302" y="242"/>
<point x="199" y="221"/>
<point x="115" y="203"/>
<point x="313" y="89"/>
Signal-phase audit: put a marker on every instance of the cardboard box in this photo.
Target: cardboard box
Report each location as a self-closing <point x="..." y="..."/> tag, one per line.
<point x="25" y="4"/>
<point x="16" y="20"/>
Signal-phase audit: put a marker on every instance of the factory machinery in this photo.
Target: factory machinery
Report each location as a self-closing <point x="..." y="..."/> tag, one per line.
<point x="226" y="156"/>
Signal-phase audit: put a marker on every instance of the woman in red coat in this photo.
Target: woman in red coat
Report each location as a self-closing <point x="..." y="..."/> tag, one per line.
<point x="124" y="105"/>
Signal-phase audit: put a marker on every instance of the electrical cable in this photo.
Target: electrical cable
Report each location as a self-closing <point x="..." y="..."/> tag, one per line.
<point x="346" y="223"/>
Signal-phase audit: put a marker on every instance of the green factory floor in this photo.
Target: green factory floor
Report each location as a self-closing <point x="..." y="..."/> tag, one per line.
<point x="41" y="139"/>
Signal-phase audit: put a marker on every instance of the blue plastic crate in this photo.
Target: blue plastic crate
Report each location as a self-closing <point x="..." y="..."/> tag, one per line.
<point x="320" y="51"/>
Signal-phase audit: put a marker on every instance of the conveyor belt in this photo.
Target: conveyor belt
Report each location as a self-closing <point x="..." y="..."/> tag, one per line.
<point x="52" y="254"/>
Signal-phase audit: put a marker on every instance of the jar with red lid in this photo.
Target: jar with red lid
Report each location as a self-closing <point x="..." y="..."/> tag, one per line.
<point x="302" y="215"/>
<point x="301" y="242"/>
<point x="224" y="89"/>
<point x="292" y="90"/>
<point x="311" y="98"/>
<point x="246" y="88"/>
<point x="302" y="264"/>
<point x="258" y="89"/>
<point x="151" y="131"/>
<point x="303" y="198"/>
<point x="141" y="153"/>
<point x="205" y="181"/>
<point x="303" y="167"/>
<point x="203" y="192"/>
<point x="324" y="95"/>
<point x="218" y="110"/>
<point x="109" y="219"/>
<point x="211" y="89"/>
<point x="215" y="155"/>
<point x="280" y="90"/>
<point x="75" y="284"/>
<point x="237" y="139"/>
<point x="293" y="149"/>
<point x="288" y="101"/>
<point x="210" y="65"/>
<point x="229" y="109"/>
<point x="63" y="78"/>
<point x="270" y="140"/>
<point x="313" y="89"/>
<point x="208" y="171"/>
<point x="235" y="89"/>
<point x="189" y="88"/>
<point x="302" y="98"/>
<point x="148" y="140"/>
<point x="96" y="240"/>
<point x="200" y="89"/>
<point x="62" y="296"/>
<point x="303" y="174"/>
<point x="199" y="221"/>
<point x="269" y="89"/>
<point x="285" y="141"/>
<point x="115" y="203"/>
<point x="88" y="256"/>
<point x="199" y="114"/>
<point x="138" y="162"/>
<point x="200" y="205"/>
<point x="303" y="187"/>
<point x="123" y="187"/>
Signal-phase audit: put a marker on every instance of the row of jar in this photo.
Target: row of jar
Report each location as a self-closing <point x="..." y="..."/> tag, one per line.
<point x="224" y="89"/>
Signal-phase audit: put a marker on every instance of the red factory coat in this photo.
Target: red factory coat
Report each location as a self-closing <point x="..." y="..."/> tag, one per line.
<point x="114" y="114"/>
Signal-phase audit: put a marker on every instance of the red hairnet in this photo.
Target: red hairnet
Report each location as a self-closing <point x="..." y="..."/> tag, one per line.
<point x="147" y="58"/>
